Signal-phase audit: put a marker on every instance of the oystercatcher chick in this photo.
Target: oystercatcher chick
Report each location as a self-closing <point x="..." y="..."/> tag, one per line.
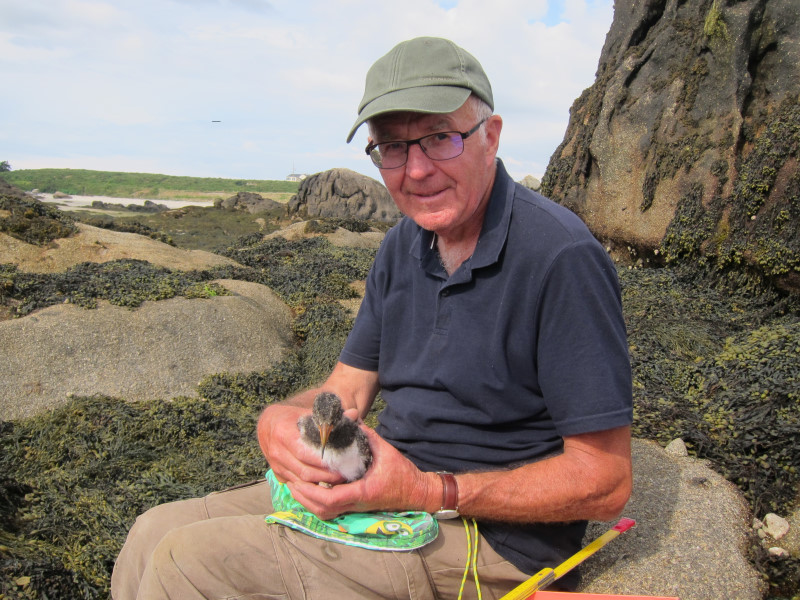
<point x="341" y="443"/>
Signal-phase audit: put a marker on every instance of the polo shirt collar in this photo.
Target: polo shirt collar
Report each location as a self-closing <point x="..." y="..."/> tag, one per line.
<point x="494" y="232"/>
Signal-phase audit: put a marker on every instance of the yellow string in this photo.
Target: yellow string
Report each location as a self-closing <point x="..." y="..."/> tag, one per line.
<point x="469" y="551"/>
<point x="472" y="558"/>
<point x="475" y="561"/>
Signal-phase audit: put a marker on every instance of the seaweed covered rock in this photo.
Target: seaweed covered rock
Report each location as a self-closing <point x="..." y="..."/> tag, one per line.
<point x="76" y="476"/>
<point x="12" y="191"/>
<point x="688" y="143"/>
<point x="128" y="227"/>
<point x="745" y="404"/>
<point x="306" y="270"/>
<point x="250" y="202"/>
<point x="680" y="505"/>
<point x="94" y="244"/>
<point x="344" y="194"/>
<point x="353" y="234"/>
<point x="93" y="465"/>
<point x="147" y="207"/>
<point x="29" y="220"/>
<point x="160" y="350"/>
<point x="719" y="371"/>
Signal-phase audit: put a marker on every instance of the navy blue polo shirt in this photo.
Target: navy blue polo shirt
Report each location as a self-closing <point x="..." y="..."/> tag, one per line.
<point x="490" y="367"/>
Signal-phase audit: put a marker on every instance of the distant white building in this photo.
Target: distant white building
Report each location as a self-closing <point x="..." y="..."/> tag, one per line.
<point x="296" y="177"/>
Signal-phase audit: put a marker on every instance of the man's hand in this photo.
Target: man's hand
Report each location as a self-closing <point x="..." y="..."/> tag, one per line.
<point x="279" y="437"/>
<point x="391" y="483"/>
<point x="288" y="458"/>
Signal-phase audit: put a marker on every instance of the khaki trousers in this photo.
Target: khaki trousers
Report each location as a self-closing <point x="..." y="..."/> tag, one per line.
<point x="220" y="547"/>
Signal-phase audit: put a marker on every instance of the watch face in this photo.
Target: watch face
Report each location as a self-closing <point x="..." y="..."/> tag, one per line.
<point x="445" y="514"/>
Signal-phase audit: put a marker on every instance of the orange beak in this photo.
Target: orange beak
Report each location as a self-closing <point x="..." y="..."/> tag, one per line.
<point x="324" y="432"/>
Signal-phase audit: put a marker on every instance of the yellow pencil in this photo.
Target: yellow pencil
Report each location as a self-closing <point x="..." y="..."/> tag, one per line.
<point x="547" y="575"/>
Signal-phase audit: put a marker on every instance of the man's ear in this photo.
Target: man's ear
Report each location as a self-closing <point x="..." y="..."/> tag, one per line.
<point x="493" y="127"/>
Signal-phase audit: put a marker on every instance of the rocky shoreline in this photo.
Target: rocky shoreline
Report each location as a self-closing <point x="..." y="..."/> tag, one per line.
<point x="692" y="523"/>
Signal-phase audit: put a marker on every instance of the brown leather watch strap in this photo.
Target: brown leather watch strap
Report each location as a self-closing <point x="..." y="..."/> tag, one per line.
<point x="449" y="491"/>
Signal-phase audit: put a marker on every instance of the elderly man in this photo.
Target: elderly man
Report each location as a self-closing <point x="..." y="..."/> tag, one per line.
<point x="492" y="327"/>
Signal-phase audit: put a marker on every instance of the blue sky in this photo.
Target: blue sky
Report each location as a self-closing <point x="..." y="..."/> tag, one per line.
<point x="135" y="85"/>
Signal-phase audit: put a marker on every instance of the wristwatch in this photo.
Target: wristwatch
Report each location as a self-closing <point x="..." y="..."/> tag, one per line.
<point x="449" y="508"/>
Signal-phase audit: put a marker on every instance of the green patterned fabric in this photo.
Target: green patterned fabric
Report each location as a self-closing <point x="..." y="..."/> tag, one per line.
<point x="396" y="531"/>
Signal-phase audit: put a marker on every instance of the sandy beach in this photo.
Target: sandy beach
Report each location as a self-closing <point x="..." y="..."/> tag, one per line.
<point x="86" y="201"/>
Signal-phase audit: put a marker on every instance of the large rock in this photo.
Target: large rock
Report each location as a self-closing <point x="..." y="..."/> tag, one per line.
<point x="6" y="189"/>
<point x="690" y="539"/>
<point x="689" y="139"/>
<point x="94" y="244"/>
<point x="345" y="194"/>
<point x="341" y="237"/>
<point x="249" y="202"/>
<point x="160" y="350"/>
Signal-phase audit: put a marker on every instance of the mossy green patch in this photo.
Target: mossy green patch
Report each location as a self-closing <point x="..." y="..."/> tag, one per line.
<point x="714" y="26"/>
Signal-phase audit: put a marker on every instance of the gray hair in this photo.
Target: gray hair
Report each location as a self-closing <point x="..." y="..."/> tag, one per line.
<point x="481" y="111"/>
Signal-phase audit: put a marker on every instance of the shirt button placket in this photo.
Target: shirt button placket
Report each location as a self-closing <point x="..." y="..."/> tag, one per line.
<point x="443" y="311"/>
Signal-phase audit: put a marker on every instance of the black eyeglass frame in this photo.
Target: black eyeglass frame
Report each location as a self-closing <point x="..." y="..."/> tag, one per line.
<point x="464" y="135"/>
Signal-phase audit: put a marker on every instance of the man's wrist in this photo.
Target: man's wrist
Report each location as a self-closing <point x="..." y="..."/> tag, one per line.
<point x="429" y="492"/>
<point x="449" y="502"/>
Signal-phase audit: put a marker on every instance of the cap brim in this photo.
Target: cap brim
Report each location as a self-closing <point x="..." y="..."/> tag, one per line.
<point x="434" y="99"/>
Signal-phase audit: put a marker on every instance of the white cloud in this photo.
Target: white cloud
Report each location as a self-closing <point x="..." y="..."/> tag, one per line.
<point x="132" y="84"/>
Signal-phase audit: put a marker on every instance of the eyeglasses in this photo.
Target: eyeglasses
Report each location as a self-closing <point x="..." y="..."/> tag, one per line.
<point x="443" y="145"/>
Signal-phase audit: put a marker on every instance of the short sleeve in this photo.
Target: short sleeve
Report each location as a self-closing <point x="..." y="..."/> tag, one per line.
<point x="583" y="361"/>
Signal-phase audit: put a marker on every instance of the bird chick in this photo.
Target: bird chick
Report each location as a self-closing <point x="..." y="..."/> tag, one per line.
<point x="342" y="445"/>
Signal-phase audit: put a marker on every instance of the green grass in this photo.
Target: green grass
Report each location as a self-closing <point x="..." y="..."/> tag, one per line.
<point x="143" y="185"/>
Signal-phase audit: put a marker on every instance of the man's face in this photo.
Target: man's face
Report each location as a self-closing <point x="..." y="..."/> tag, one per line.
<point x="447" y="196"/>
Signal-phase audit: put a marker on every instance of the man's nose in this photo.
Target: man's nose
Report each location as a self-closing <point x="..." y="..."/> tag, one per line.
<point x="418" y="164"/>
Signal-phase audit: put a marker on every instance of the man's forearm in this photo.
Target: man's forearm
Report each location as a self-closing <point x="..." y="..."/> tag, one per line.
<point x="542" y="495"/>
<point x="588" y="481"/>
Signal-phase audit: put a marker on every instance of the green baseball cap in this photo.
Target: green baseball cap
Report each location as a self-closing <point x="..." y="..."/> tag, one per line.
<point x="427" y="75"/>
